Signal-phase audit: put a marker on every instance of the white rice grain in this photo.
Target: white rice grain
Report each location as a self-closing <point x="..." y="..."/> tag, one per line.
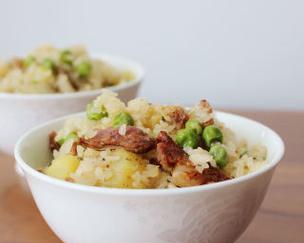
<point x="122" y="130"/>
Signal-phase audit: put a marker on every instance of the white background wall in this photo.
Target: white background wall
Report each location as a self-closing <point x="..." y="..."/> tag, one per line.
<point x="237" y="54"/>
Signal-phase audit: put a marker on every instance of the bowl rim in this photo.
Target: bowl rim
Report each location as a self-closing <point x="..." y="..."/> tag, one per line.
<point x="136" y="66"/>
<point x="29" y="171"/>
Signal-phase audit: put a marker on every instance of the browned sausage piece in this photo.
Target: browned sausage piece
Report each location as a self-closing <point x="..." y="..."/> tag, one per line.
<point x="213" y="174"/>
<point x="173" y="158"/>
<point x="53" y="145"/>
<point x="168" y="152"/>
<point x="134" y="140"/>
<point x="73" y="150"/>
<point x="17" y="63"/>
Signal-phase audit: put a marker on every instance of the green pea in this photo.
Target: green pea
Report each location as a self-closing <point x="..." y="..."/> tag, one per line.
<point x="95" y="113"/>
<point x="123" y="118"/>
<point x="219" y="154"/>
<point x="72" y="135"/>
<point x="212" y="134"/>
<point x="48" y="64"/>
<point x="187" y="138"/>
<point x="29" y="61"/>
<point x="84" y="68"/>
<point x="66" y="57"/>
<point x="194" y="124"/>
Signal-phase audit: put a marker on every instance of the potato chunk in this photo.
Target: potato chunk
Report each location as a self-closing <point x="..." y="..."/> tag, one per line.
<point x="123" y="168"/>
<point x="130" y="171"/>
<point x="62" y="167"/>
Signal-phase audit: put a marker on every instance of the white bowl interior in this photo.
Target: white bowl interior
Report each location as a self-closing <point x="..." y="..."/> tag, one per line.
<point x="33" y="146"/>
<point x="254" y="133"/>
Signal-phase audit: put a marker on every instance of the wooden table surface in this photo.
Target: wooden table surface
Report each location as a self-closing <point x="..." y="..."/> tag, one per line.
<point x="279" y="220"/>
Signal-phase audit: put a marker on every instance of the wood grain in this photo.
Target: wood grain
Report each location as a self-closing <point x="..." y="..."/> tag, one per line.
<point x="279" y="220"/>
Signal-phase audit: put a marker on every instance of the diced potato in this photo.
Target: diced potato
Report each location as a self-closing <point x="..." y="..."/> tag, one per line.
<point x="62" y="167"/>
<point x="123" y="168"/>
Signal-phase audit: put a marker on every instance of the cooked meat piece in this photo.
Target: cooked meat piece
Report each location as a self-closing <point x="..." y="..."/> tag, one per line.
<point x="53" y="145"/>
<point x="172" y="158"/>
<point x="168" y="152"/>
<point x="207" y="123"/>
<point x="69" y="179"/>
<point x="187" y="175"/>
<point x="17" y="63"/>
<point x="73" y="150"/>
<point x="153" y="161"/>
<point x="135" y="140"/>
<point x="176" y="115"/>
<point x="213" y="174"/>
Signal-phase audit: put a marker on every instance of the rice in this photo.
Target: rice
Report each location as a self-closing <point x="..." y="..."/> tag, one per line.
<point x="200" y="158"/>
<point x="50" y="70"/>
<point x="102" y="168"/>
<point x="110" y="102"/>
<point x="122" y="130"/>
<point x="114" y="166"/>
<point x="145" y="115"/>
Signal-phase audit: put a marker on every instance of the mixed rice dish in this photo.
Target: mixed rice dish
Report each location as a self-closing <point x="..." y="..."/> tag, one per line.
<point x="51" y="70"/>
<point x="142" y="145"/>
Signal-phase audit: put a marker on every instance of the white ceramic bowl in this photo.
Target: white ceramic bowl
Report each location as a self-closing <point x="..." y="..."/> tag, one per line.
<point x="21" y="112"/>
<point x="214" y="213"/>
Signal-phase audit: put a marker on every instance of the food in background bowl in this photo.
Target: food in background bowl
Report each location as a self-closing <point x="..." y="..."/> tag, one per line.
<point x="37" y="108"/>
<point x="141" y="145"/>
<point x="51" y="70"/>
